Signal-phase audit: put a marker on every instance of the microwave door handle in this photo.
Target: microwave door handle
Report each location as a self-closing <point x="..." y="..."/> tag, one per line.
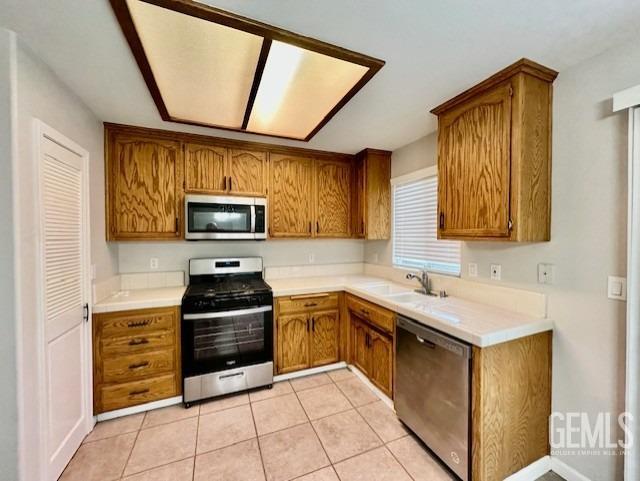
<point x="253" y="219"/>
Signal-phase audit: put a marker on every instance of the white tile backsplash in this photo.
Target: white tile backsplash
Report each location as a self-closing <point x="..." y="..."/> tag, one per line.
<point x="314" y="270"/>
<point x="138" y="280"/>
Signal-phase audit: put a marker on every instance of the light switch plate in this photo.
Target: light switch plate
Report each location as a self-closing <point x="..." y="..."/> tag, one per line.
<point x="312" y="258"/>
<point x="546" y="273"/>
<point x="473" y="269"/>
<point x="496" y="272"/>
<point x="617" y="288"/>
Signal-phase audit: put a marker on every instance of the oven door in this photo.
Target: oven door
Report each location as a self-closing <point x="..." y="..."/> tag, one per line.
<point x="213" y="217"/>
<point x="218" y="341"/>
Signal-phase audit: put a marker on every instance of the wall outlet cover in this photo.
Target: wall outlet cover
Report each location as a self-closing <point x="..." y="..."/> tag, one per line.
<point x="473" y="269"/>
<point x="154" y="263"/>
<point x="312" y="258"/>
<point x="496" y="272"/>
<point x="546" y="273"/>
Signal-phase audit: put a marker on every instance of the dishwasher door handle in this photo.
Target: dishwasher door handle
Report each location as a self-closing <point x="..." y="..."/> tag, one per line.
<point x="425" y="342"/>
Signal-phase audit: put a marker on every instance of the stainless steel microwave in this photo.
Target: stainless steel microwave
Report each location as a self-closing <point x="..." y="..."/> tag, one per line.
<point x="225" y="217"/>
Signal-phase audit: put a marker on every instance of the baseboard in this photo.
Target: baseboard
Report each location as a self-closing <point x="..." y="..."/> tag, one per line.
<point x="310" y="371"/>
<point x="567" y="472"/>
<point x="532" y="472"/>
<point x="118" y="413"/>
<point x="383" y="397"/>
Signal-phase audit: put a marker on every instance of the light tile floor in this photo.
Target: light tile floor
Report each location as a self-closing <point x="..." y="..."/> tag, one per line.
<point x="325" y="427"/>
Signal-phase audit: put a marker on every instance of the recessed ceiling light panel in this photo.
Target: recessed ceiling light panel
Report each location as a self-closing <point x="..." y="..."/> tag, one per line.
<point x="208" y="67"/>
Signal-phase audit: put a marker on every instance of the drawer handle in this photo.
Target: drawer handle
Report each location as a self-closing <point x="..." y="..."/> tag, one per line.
<point x="311" y="304"/>
<point x="137" y="342"/>
<point x="146" y="322"/>
<point x="309" y="296"/>
<point x="364" y="311"/>
<point x="139" y="392"/>
<point x="138" y="365"/>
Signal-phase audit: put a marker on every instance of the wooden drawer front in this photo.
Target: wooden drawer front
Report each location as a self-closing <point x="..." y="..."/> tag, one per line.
<point x="137" y="343"/>
<point x="137" y="322"/>
<point x="374" y="314"/>
<point x="138" y="392"/>
<point x="129" y="368"/>
<point x="308" y="302"/>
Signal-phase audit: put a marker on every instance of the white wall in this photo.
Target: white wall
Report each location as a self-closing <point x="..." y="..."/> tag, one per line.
<point x="134" y="256"/>
<point x="8" y="393"/>
<point x="41" y="95"/>
<point x="587" y="241"/>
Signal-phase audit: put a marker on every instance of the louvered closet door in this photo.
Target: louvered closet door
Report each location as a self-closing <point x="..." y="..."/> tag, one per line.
<point x="63" y="202"/>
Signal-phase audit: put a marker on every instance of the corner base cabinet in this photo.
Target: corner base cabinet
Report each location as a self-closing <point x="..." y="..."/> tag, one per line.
<point x="136" y="357"/>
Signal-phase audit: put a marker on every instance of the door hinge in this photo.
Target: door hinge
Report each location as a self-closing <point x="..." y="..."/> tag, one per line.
<point x="510" y="224"/>
<point x="85" y="312"/>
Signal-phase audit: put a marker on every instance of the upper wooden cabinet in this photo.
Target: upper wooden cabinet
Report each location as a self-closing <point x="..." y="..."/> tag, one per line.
<point x="333" y="198"/>
<point x="248" y="172"/>
<point x="290" y="196"/>
<point x="494" y="157"/>
<point x="211" y="169"/>
<point x="371" y="198"/>
<point x="144" y="187"/>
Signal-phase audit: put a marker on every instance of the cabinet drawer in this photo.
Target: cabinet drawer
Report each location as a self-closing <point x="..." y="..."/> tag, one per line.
<point x="376" y="315"/>
<point x="135" y="344"/>
<point x="308" y="302"/>
<point x="136" y="366"/>
<point x="138" y="392"/>
<point x="136" y="322"/>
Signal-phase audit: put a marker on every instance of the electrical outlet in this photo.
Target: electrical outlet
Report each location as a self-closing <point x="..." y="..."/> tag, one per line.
<point x="473" y="269"/>
<point x="617" y="288"/>
<point x="546" y="273"/>
<point x="154" y="262"/>
<point x="312" y="258"/>
<point x="496" y="272"/>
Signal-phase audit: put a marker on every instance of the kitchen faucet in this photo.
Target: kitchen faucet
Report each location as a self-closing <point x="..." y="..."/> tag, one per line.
<point x="423" y="279"/>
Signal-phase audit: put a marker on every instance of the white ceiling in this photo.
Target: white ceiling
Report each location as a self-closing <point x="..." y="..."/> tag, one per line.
<point x="433" y="49"/>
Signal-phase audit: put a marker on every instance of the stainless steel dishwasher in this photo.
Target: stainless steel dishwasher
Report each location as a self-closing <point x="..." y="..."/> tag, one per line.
<point x="433" y="391"/>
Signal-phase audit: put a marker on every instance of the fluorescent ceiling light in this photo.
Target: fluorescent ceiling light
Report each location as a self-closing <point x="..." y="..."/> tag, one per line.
<point x="209" y="67"/>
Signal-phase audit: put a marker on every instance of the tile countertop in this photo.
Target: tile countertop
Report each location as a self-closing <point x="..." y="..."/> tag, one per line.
<point x="475" y="323"/>
<point x="141" y="299"/>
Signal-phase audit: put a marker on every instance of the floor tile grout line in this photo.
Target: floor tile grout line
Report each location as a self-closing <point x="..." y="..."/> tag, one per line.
<point x="255" y="428"/>
<point x="163" y="465"/>
<point x="133" y="445"/>
<point x="195" y="450"/>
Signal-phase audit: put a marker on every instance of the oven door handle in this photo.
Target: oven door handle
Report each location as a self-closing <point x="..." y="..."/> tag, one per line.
<point x="216" y="315"/>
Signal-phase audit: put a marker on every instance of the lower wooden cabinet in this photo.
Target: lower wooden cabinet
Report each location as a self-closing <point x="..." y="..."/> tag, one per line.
<point x="136" y="357"/>
<point x="372" y="354"/>
<point x="307" y="332"/>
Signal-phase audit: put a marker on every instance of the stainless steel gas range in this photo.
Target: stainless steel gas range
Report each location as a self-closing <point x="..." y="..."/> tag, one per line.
<point x="227" y="328"/>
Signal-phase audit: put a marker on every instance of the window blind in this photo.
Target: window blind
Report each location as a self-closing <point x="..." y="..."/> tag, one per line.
<point x="415" y="243"/>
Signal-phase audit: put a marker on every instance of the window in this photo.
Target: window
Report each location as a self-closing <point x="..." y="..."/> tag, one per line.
<point x="415" y="243"/>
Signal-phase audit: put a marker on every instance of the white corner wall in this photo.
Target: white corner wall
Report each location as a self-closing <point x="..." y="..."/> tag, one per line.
<point x="8" y="393"/>
<point x="41" y="95"/>
<point x="588" y="241"/>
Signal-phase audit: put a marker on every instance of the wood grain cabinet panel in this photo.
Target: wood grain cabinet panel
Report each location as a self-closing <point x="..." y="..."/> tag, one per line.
<point x="290" y="196"/>
<point x="360" y="346"/>
<point x="136" y="357"/>
<point x="292" y="342"/>
<point x="205" y="169"/>
<point x="248" y="172"/>
<point x="144" y="181"/>
<point x="333" y="199"/>
<point x="325" y="327"/>
<point x="494" y="157"/>
<point x="381" y="349"/>
<point x="371" y="198"/>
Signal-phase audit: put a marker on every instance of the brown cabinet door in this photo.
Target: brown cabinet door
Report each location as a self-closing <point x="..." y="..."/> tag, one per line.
<point x="293" y="342"/>
<point x="205" y="169"/>
<point x="333" y="198"/>
<point x="378" y="196"/>
<point x="381" y="351"/>
<point x="145" y="188"/>
<point x="324" y="337"/>
<point x="474" y="162"/>
<point x="248" y="172"/>
<point x="359" y="199"/>
<point x="290" y="202"/>
<point x="360" y="356"/>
